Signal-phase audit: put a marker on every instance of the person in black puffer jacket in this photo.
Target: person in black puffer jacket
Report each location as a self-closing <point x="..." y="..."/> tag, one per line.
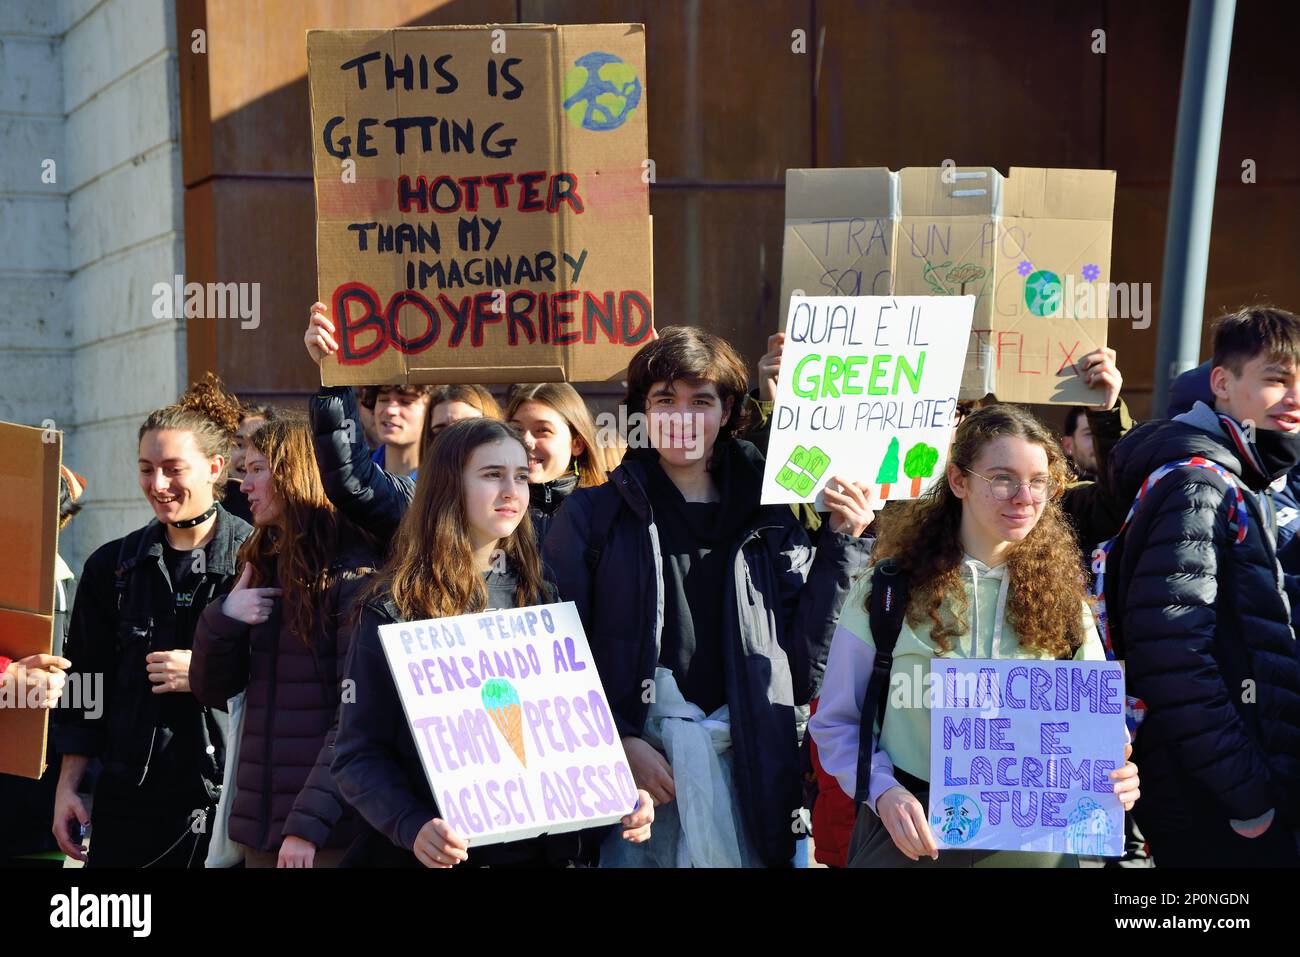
<point x="371" y="497"/>
<point x="1202" y="618"/>
<point x="282" y="634"/>
<point x="1193" y="386"/>
<point x="468" y="509"/>
<point x="564" y="450"/>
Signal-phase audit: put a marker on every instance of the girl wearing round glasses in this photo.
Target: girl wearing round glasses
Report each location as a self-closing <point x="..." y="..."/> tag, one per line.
<point x="994" y="572"/>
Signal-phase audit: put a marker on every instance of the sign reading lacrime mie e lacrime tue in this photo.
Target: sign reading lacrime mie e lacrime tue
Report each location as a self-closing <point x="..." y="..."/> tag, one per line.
<point x="1021" y="753"/>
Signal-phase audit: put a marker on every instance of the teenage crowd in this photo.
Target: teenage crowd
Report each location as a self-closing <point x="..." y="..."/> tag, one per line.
<point x="227" y="630"/>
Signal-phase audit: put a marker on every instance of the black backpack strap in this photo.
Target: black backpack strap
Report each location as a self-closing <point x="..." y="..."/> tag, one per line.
<point x="885" y="609"/>
<point x="606" y="504"/>
<point x="126" y="564"/>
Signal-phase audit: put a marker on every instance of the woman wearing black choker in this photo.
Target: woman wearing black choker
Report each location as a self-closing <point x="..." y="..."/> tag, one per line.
<point x="132" y="628"/>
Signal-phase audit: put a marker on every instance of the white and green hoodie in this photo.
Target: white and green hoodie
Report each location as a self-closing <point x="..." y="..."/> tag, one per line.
<point x="905" y="741"/>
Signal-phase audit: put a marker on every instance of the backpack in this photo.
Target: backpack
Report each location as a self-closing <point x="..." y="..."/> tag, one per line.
<point x="1238" y="523"/>
<point x="126" y="564"/>
<point x="886" y="608"/>
<point x="606" y="505"/>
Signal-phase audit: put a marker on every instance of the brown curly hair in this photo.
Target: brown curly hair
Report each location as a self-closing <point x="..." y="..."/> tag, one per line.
<point x="1046" y="591"/>
<point x="212" y="413"/>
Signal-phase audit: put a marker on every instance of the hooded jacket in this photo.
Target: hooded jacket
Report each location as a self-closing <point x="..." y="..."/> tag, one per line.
<point x="283" y="784"/>
<point x="1194" y="386"/>
<point x="370" y="497"/>
<point x="545" y="499"/>
<point x="1203" y="622"/>
<point x="779" y="608"/>
<point x="377" y="764"/>
<point x="904" y="739"/>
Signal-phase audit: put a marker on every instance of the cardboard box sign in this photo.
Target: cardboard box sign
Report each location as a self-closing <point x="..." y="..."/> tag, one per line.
<point x="1032" y="247"/>
<point x="481" y="212"/>
<point x="29" y="517"/>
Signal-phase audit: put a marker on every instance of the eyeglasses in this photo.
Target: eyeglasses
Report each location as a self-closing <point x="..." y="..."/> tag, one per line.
<point x="1005" y="488"/>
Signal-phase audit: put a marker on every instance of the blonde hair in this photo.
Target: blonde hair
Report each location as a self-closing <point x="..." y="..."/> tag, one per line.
<point x="593" y="461"/>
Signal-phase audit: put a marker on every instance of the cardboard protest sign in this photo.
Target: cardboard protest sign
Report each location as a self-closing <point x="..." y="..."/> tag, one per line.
<point x="1021" y="753"/>
<point x="1032" y="247"/>
<point x="481" y="212"/>
<point x="840" y="227"/>
<point x="29" y="517"/>
<point x="511" y="722"/>
<point x="867" y="391"/>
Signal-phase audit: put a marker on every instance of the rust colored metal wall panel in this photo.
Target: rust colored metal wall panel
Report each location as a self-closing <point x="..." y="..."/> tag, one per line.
<point x="246" y="155"/>
<point x="265" y="234"/>
<point x="201" y="242"/>
<point x="1255" y="238"/>
<point x="195" y="92"/>
<point x="1253" y="250"/>
<point x="988" y="83"/>
<point x="718" y="262"/>
<point x="1144" y="62"/>
<point x="1137" y="256"/>
<point x="729" y="99"/>
<point x="1261" y="111"/>
<point x="732" y="106"/>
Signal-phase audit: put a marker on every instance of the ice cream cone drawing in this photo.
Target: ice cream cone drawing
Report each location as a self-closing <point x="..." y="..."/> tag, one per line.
<point x="502" y="704"/>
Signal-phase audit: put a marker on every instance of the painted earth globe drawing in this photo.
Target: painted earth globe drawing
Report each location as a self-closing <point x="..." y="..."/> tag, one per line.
<point x="958" y="820"/>
<point x="600" y="92"/>
<point x="1043" y="293"/>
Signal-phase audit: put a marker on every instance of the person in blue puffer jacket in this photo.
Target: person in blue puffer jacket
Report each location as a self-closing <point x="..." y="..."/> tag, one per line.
<point x="1194" y="386"/>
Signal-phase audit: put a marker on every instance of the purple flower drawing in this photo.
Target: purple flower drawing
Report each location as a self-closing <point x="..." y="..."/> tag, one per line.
<point x="1091" y="272"/>
<point x="1025" y="267"/>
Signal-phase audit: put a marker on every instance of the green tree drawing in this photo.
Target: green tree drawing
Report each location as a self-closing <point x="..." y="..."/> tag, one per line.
<point x="888" y="473"/>
<point x="919" y="464"/>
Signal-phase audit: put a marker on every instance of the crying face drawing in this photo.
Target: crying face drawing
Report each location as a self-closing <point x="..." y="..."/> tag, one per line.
<point x="958" y="821"/>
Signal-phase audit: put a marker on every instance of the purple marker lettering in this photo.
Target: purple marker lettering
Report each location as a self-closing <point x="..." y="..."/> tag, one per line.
<point x="994" y="800"/>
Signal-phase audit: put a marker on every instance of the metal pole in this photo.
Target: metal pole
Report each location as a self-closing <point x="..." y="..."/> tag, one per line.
<point x="1191" y="195"/>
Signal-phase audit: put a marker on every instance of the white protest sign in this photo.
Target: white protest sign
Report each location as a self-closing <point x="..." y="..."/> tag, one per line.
<point x="1021" y="753"/>
<point x="867" y="391"/>
<point x="511" y="722"/>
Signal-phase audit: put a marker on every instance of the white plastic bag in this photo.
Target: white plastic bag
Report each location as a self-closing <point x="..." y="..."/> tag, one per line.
<point x="222" y="851"/>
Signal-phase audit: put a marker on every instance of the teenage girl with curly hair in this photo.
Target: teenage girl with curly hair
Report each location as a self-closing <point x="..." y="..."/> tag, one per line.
<point x="993" y="572"/>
